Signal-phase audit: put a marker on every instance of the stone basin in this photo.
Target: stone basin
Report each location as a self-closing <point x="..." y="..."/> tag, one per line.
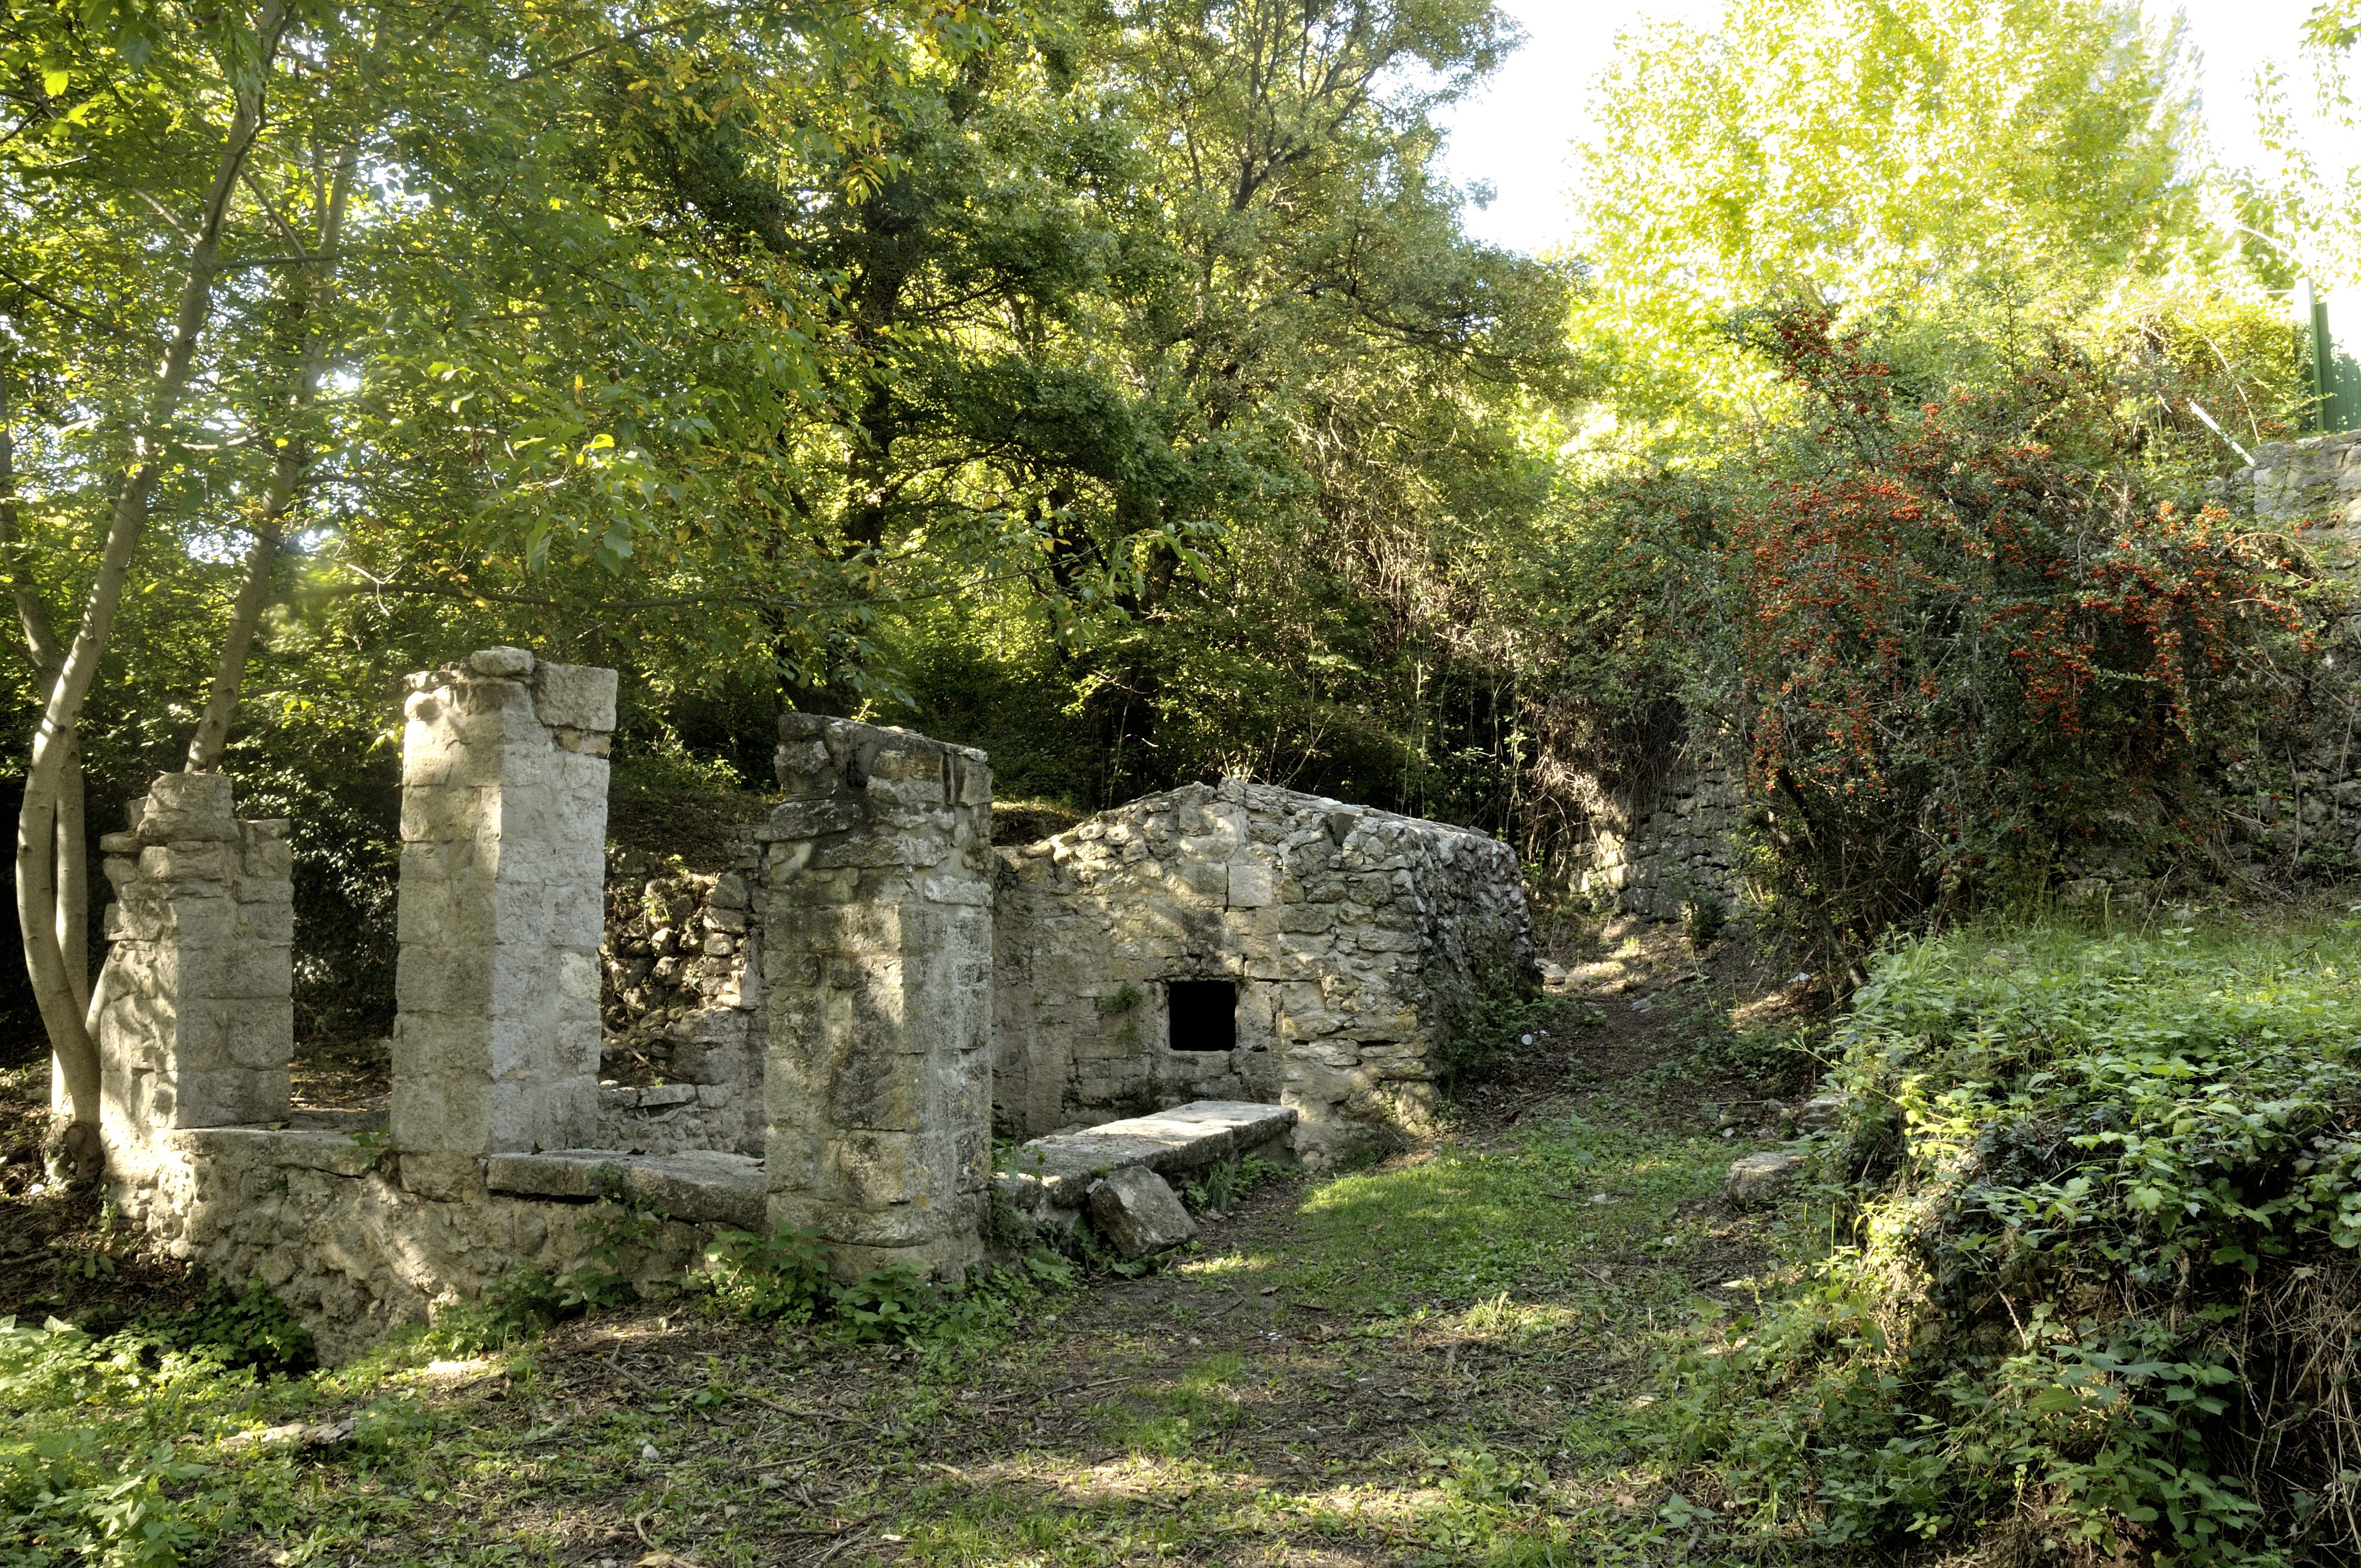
<point x="1057" y="1171"/>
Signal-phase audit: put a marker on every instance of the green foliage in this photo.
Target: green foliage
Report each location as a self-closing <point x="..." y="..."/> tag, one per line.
<point x="786" y="1278"/>
<point x="783" y="1276"/>
<point x="2097" y="1264"/>
<point x="1221" y="1185"/>
<point x="254" y="1331"/>
<point x="69" y="1491"/>
<point x="1876" y="157"/>
<point x="1506" y="1010"/>
<point x="619" y="1231"/>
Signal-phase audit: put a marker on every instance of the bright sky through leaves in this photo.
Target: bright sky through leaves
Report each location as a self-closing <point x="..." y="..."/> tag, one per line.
<point x="1516" y="133"/>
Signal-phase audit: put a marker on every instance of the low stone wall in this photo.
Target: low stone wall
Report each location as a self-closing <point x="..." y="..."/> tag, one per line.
<point x="1354" y="938"/>
<point x="325" y="1220"/>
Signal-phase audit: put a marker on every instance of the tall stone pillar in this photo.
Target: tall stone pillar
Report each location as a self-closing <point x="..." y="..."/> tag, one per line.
<point x="877" y="921"/>
<point x="503" y="859"/>
<point x="196" y="1022"/>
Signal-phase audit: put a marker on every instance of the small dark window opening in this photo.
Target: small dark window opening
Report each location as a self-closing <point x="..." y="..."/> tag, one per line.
<point x="1203" y="1014"/>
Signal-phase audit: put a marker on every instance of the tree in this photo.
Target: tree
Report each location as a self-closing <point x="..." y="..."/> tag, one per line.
<point x="1929" y="159"/>
<point x="211" y="216"/>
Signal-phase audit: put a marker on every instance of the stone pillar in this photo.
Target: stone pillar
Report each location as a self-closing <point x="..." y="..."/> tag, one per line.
<point x="503" y="859"/>
<point x="196" y="1022"/>
<point x="876" y="899"/>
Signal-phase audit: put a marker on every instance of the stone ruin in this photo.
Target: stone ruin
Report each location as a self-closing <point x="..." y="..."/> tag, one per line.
<point x="1243" y="942"/>
<point x="847" y="1013"/>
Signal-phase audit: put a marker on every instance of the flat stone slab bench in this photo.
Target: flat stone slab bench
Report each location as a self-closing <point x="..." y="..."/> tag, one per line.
<point x="706" y="1186"/>
<point x="1057" y="1171"/>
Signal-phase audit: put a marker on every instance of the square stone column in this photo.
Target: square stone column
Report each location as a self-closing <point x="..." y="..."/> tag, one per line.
<point x="196" y="1021"/>
<point x="876" y="899"/>
<point x="503" y="861"/>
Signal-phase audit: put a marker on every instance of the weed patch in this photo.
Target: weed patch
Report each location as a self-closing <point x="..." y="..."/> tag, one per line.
<point x="2096" y="1211"/>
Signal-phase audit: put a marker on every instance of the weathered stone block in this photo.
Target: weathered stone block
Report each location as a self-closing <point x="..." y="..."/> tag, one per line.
<point x="1758" y="1179"/>
<point x="577" y="697"/>
<point x="503" y="662"/>
<point x="186" y="807"/>
<point x="1140" y="1214"/>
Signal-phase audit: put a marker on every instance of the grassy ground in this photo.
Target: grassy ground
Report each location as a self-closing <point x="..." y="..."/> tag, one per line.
<point x="1442" y="1357"/>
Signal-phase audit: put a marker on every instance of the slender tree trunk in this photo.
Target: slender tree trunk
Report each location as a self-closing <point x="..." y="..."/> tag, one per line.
<point x="39" y="868"/>
<point x="286" y="481"/>
<point x="33" y="619"/>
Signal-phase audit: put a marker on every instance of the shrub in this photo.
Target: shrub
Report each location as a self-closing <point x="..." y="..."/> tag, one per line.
<point x="254" y="1331"/>
<point x="780" y="1276"/>
<point x="1985" y="641"/>
<point x="2103" y="1278"/>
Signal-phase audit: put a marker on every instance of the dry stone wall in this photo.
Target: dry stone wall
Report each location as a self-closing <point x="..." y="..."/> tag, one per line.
<point x="2315" y="481"/>
<point x="1354" y="939"/>
<point x="875" y="900"/>
<point x="324" y="1219"/>
<point x="682" y="1063"/>
<point x="1684" y="848"/>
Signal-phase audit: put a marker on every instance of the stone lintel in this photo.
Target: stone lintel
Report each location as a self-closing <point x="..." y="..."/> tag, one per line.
<point x="701" y="1185"/>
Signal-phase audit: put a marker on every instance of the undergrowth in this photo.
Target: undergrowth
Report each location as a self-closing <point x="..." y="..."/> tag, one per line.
<point x="2095" y="1288"/>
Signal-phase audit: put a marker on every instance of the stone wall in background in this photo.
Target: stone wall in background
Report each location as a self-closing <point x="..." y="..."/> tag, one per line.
<point x="1684" y="847"/>
<point x="496" y="1031"/>
<point x="196" y="1025"/>
<point x="875" y="901"/>
<point x="682" y="1063"/>
<point x="2296" y="817"/>
<point x="1354" y="939"/>
<point x="2315" y="481"/>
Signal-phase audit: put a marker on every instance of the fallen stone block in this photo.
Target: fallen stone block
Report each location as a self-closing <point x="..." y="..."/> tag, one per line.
<point x="1757" y="1179"/>
<point x="1138" y="1212"/>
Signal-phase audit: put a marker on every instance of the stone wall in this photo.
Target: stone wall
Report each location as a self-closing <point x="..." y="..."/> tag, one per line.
<point x="324" y="1219"/>
<point x="1354" y="939"/>
<point x="875" y="901"/>
<point x="2315" y="481"/>
<point x="1682" y="847"/>
<point x="682" y="1063"/>
<point x="197" y="1025"/>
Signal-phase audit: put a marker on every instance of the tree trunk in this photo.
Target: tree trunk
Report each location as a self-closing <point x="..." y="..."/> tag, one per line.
<point x="33" y="619"/>
<point x="286" y="481"/>
<point x="41" y="870"/>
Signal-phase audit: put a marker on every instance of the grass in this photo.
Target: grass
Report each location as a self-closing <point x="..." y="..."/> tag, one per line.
<point x="1442" y="1357"/>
